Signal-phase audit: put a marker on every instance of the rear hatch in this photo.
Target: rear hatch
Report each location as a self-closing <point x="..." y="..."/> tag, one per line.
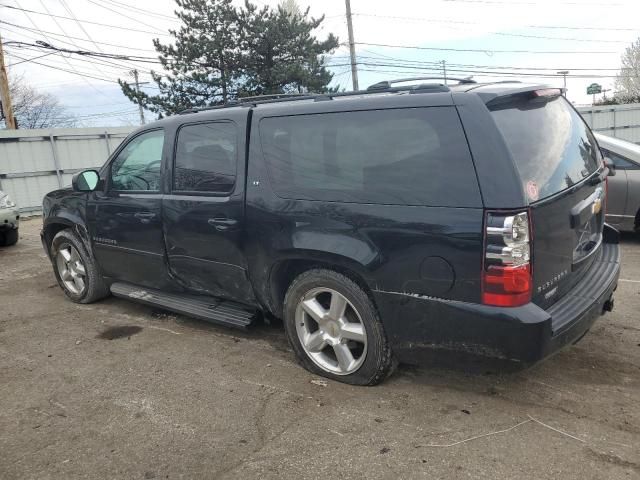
<point x="561" y="170"/>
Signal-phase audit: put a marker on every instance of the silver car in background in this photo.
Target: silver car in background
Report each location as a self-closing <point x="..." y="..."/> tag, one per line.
<point x="9" y="220"/>
<point x="623" y="196"/>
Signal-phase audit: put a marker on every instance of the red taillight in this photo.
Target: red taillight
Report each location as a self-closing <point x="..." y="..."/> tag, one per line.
<point x="506" y="273"/>
<point x="507" y="286"/>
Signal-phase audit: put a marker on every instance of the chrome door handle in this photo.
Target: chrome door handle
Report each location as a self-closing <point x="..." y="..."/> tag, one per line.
<point x="145" y="217"/>
<point x="222" y="223"/>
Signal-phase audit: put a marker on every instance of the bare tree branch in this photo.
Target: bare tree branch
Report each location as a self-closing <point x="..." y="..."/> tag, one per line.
<point x="628" y="80"/>
<point x="33" y="109"/>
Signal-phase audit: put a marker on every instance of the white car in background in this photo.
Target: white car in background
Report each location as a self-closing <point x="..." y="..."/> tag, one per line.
<point x="9" y="220"/>
<point x="623" y="194"/>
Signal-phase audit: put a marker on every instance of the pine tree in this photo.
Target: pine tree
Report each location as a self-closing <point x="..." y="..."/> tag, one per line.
<point x="204" y="62"/>
<point x="281" y="53"/>
<point x="222" y="52"/>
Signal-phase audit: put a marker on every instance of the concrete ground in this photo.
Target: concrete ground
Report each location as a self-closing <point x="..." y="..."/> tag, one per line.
<point x="118" y="390"/>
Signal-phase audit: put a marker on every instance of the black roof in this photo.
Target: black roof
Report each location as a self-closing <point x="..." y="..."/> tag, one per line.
<point x="380" y="95"/>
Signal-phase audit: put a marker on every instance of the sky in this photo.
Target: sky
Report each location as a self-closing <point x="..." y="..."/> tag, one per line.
<point x="528" y="40"/>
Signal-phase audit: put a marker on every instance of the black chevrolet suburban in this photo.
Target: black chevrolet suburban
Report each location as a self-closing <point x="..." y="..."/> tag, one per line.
<point x="376" y="224"/>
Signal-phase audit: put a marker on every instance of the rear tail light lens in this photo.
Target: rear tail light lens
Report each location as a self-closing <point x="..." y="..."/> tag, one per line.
<point x="506" y="274"/>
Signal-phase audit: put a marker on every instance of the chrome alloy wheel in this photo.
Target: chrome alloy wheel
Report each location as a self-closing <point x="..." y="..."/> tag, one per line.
<point x="71" y="269"/>
<point x="331" y="331"/>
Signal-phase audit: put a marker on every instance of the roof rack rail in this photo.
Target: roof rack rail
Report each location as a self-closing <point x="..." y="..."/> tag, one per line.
<point x="271" y="96"/>
<point x="255" y="100"/>
<point x="230" y="103"/>
<point x="381" y="87"/>
<point x="386" y="84"/>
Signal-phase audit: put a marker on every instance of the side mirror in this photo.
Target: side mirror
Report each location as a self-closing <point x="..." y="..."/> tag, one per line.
<point x="611" y="166"/>
<point x="85" y="181"/>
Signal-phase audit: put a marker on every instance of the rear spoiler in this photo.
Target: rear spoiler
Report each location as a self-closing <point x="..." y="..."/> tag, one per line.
<point x="541" y="92"/>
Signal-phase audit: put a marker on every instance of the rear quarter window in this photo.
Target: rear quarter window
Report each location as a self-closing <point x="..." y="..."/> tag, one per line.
<point x="416" y="156"/>
<point x="551" y="145"/>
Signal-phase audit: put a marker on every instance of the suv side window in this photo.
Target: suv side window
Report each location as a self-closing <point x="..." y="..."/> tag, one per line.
<point x="137" y="166"/>
<point x="205" y="158"/>
<point x="409" y="156"/>
<point x="619" y="161"/>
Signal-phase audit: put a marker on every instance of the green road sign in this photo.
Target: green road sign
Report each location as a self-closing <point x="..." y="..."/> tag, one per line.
<point x="594" y="88"/>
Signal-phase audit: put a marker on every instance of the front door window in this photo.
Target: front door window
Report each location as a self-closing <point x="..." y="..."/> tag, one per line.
<point x="137" y="166"/>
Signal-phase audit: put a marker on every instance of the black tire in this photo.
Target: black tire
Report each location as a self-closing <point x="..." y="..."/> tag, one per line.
<point x="95" y="288"/>
<point x="8" y="238"/>
<point x="378" y="363"/>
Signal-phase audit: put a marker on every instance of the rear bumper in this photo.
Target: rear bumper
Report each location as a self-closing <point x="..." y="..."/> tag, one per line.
<point x="417" y="326"/>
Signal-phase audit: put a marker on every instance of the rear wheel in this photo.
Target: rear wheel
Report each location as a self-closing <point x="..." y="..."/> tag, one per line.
<point x="8" y="238"/>
<point x="334" y="329"/>
<point x="75" y="270"/>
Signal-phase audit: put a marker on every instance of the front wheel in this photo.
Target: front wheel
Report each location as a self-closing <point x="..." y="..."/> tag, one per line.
<point x="334" y="329"/>
<point x="75" y="270"/>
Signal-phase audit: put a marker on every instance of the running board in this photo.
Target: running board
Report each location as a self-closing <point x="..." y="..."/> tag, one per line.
<point x="211" y="309"/>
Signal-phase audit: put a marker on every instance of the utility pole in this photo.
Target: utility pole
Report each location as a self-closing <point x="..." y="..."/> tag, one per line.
<point x="352" y="47"/>
<point x="564" y="74"/>
<point x="134" y="72"/>
<point x="5" y="95"/>
<point x="444" y="71"/>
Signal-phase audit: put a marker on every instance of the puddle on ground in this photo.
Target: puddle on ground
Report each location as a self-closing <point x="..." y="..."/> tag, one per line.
<point x="114" y="333"/>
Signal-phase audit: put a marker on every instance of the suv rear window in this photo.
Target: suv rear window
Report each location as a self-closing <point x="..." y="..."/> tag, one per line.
<point x="551" y="145"/>
<point x="413" y="156"/>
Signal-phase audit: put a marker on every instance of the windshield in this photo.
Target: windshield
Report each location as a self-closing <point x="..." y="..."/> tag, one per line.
<point x="551" y="145"/>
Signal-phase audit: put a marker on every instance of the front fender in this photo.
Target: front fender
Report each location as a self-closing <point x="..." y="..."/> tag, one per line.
<point x="65" y="209"/>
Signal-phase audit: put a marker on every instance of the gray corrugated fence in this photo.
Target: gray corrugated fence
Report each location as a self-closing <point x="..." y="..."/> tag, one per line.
<point x="620" y="121"/>
<point x="34" y="162"/>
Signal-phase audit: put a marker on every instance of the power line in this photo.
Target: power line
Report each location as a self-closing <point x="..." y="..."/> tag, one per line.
<point x="507" y="67"/>
<point x="484" y="73"/>
<point x="64" y="70"/>
<point x="62" y="29"/>
<point x="97" y="105"/>
<point x="87" y="53"/>
<point x="115" y="56"/>
<point x="70" y="12"/>
<point x="475" y="50"/>
<point x="66" y="61"/>
<point x="504" y="34"/>
<point x="85" y="21"/>
<point x="108" y="114"/>
<point x="100" y="60"/>
<point x="29" y="59"/>
<point x="140" y="10"/>
<point x="76" y="38"/>
<point x="125" y="15"/>
<point x="66" y="7"/>
<point x="461" y="22"/>
<point x="56" y="65"/>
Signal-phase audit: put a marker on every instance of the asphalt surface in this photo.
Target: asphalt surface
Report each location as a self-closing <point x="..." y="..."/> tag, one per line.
<point x="118" y="390"/>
